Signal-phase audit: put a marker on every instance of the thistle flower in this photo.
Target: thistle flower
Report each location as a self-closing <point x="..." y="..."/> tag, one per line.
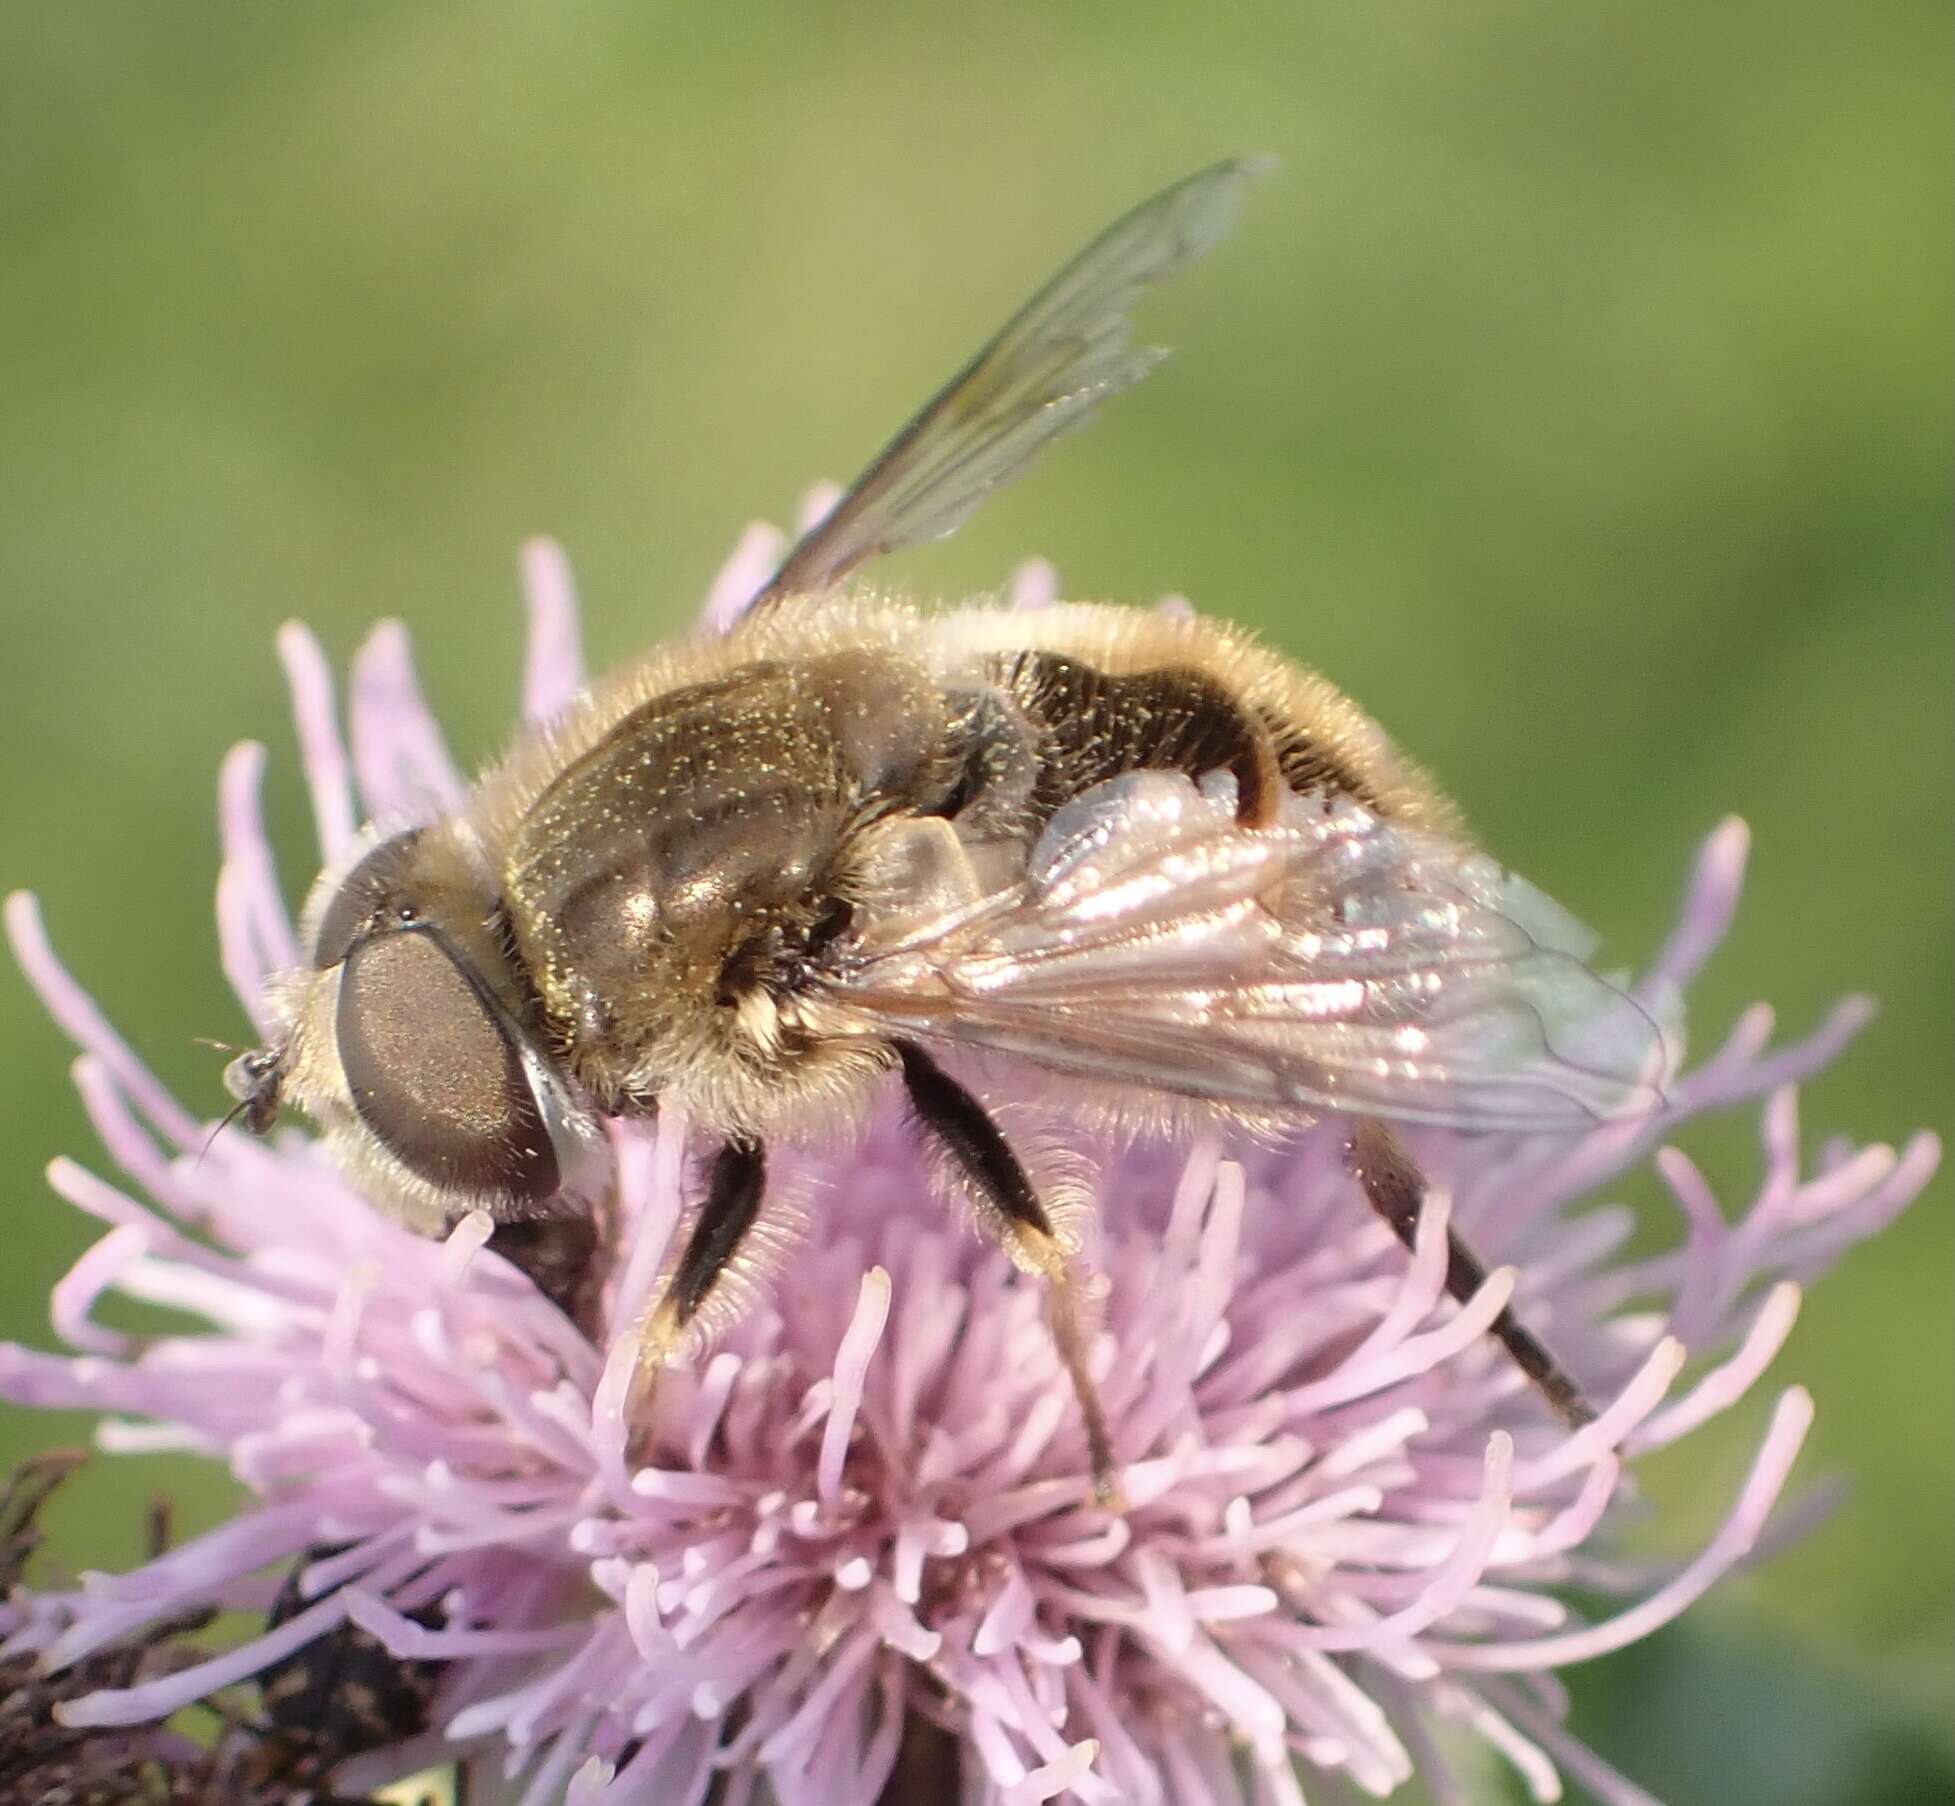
<point x="866" y="1511"/>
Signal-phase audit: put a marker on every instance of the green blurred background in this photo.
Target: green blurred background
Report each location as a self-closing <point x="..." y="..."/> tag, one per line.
<point x="1577" y="397"/>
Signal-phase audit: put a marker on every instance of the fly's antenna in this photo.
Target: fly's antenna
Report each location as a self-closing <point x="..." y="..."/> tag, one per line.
<point x="223" y="1122"/>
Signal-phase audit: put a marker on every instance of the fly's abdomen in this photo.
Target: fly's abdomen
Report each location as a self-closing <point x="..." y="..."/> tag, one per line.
<point x="1098" y="724"/>
<point x="1102" y="691"/>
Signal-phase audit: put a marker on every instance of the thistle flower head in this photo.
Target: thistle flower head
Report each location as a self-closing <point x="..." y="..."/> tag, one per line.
<point x="866" y="1509"/>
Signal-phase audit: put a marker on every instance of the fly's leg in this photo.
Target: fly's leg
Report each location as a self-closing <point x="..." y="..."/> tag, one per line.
<point x="734" y="1189"/>
<point x="1010" y="1204"/>
<point x="1396" y="1189"/>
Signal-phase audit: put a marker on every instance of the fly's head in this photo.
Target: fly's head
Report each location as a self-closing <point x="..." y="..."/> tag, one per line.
<point x="412" y="1039"/>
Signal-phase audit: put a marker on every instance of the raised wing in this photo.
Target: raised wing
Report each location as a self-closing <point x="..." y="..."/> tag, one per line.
<point x="1062" y="354"/>
<point x="1332" y="962"/>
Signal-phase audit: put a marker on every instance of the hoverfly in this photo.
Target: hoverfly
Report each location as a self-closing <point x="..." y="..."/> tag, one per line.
<point x="850" y="842"/>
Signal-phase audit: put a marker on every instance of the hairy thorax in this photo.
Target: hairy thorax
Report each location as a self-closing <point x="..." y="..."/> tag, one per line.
<point x="670" y="889"/>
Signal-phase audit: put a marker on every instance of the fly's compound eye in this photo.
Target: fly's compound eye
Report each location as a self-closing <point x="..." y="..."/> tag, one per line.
<point x="437" y="1072"/>
<point x="372" y="895"/>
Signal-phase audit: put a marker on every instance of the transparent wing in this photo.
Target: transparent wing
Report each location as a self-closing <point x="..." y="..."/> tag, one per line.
<point x="1332" y="962"/>
<point x="1064" y="352"/>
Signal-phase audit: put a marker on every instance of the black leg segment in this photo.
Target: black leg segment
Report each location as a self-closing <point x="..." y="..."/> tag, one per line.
<point x="734" y="1189"/>
<point x="963" y="1128"/>
<point x="1396" y="1189"/>
<point x="965" y="1131"/>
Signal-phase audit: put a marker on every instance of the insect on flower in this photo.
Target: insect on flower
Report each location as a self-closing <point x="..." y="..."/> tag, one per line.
<point x="852" y="844"/>
<point x="338" y="1696"/>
